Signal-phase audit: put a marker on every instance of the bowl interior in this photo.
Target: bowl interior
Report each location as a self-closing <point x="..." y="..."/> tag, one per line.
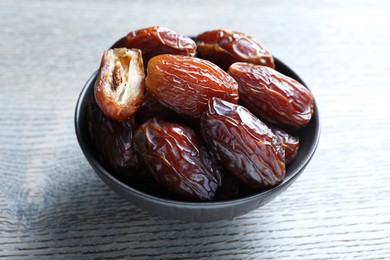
<point x="309" y="138"/>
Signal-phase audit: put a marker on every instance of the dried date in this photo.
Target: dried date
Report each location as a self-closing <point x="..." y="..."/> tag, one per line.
<point x="223" y="48"/>
<point x="157" y="40"/>
<point x="113" y="140"/>
<point x="119" y="87"/>
<point x="272" y="95"/>
<point x="178" y="159"/>
<point x="290" y="143"/>
<point x="243" y="144"/>
<point x="185" y="84"/>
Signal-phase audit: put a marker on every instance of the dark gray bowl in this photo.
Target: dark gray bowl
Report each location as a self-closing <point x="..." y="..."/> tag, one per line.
<point x="197" y="211"/>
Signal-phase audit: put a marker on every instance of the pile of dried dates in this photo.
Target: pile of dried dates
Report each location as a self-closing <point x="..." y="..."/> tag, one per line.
<point x="195" y="119"/>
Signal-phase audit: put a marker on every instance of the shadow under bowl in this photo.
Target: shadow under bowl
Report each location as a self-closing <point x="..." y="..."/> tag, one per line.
<point x="197" y="211"/>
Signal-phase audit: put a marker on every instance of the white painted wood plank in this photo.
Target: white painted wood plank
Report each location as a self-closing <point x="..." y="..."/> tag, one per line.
<point x="53" y="205"/>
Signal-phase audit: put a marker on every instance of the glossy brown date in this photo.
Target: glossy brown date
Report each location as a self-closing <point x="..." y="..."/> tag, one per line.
<point x="119" y="87"/>
<point x="224" y="47"/>
<point x="272" y="95"/>
<point x="113" y="140"/>
<point x="157" y="40"/>
<point x="243" y="144"/>
<point x="185" y="84"/>
<point x="177" y="159"/>
<point x="290" y="143"/>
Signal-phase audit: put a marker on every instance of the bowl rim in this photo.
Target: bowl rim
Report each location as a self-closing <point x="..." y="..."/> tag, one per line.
<point x="189" y="204"/>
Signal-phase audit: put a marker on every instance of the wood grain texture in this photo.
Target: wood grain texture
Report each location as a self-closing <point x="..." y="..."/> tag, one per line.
<point x="52" y="205"/>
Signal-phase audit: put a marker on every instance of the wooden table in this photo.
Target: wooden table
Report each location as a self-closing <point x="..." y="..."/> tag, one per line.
<point x="52" y="205"/>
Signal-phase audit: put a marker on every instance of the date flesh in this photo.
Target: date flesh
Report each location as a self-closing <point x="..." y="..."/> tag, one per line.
<point x="119" y="87"/>
<point x="244" y="145"/>
<point x="272" y="95"/>
<point x="178" y="159"/>
<point x="223" y="48"/>
<point x="156" y="40"/>
<point x="185" y="84"/>
<point x="112" y="139"/>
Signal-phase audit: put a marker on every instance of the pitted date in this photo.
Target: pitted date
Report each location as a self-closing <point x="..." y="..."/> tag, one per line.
<point x="243" y="144"/>
<point x="290" y="143"/>
<point x="112" y="139"/>
<point x="157" y="40"/>
<point x="119" y="87"/>
<point x="223" y="48"/>
<point x="178" y="159"/>
<point x="185" y="84"/>
<point x="272" y="95"/>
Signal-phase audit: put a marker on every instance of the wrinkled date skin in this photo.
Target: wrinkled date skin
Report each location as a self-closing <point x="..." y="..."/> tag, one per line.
<point x="112" y="139"/>
<point x="290" y="143"/>
<point x="157" y="40"/>
<point x="185" y="84"/>
<point x="119" y="87"/>
<point x="272" y="95"/>
<point x="243" y="144"/>
<point x="223" y="48"/>
<point x="177" y="159"/>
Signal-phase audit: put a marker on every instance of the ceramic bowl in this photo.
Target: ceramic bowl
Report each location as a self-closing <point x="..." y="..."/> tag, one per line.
<point x="197" y="211"/>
